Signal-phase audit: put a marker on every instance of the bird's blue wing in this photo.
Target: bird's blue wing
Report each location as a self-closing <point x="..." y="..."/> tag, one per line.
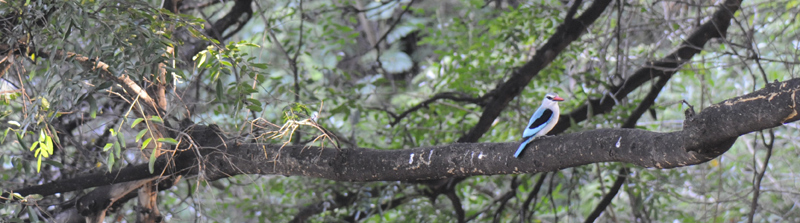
<point x="540" y="118"/>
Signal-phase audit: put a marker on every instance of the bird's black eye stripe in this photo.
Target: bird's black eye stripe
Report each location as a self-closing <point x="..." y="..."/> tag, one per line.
<point x="548" y="97"/>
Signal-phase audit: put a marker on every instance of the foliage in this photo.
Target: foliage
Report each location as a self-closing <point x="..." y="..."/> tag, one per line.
<point x="311" y="71"/>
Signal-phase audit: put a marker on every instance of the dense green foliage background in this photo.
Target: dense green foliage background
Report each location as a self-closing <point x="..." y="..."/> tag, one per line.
<point x="356" y="67"/>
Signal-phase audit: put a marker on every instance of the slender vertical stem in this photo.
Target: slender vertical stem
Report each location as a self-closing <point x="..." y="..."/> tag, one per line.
<point x="760" y="174"/>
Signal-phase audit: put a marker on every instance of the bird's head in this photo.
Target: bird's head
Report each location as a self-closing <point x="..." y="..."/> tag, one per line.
<point x="551" y="99"/>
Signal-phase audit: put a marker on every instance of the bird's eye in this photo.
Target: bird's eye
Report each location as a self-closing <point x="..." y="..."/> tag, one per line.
<point x="549" y="97"/>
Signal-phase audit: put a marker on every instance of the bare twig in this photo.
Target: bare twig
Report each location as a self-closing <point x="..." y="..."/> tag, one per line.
<point x="532" y="198"/>
<point x="455" y="96"/>
<point x="760" y="174"/>
<point x="552" y="199"/>
<point x="397" y="21"/>
<point x="623" y="175"/>
<point x="504" y="199"/>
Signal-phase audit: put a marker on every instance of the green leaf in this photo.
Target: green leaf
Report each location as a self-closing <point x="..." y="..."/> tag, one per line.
<point x="45" y="104"/>
<point x="118" y="151"/>
<point x="5" y="134"/>
<point x="48" y="146"/>
<point x="53" y="129"/>
<point x="254" y="101"/>
<point x="140" y="135"/>
<point x="156" y="119"/>
<point x="168" y="140"/>
<point x="202" y="59"/>
<point x="92" y="106"/>
<point x="107" y="146"/>
<point x="136" y="122"/>
<point x="396" y="62"/>
<point x="103" y="85"/>
<point x="259" y="65"/>
<point x="117" y="148"/>
<point x="254" y="108"/>
<point x="121" y="139"/>
<point x="19" y="139"/>
<point x="53" y="163"/>
<point x="146" y="141"/>
<point x="33" y="146"/>
<point x="110" y="162"/>
<point x="152" y="164"/>
<point x="39" y="164"/>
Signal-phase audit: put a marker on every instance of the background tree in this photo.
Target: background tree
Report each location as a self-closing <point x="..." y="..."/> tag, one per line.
<point x="402" y="110"/>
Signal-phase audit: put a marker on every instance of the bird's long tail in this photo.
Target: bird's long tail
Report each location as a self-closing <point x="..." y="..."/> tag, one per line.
<point x="522" y="146"/>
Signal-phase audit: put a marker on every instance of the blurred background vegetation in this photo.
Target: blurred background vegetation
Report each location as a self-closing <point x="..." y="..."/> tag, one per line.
<point x="356" y="65"/>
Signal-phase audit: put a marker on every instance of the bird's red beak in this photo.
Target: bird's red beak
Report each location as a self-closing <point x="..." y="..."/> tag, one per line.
<point x="557" y="98"/>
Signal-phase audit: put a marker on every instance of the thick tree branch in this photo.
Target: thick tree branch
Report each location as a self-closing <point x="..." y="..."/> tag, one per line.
<point x="704" y="137"/>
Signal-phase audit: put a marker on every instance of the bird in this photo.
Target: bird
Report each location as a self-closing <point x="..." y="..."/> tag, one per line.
<point x="542" y="121"/>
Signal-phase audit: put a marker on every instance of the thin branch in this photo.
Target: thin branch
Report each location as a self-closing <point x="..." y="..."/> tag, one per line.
<point x="130" y="86"/>
<point x="399" y="18"/>
<point x="646" y="103"/>
<point x="293" y="60"/>
<point x="199" y="5"/>
<point x="456" y="205"/>
<point x="365" y="25"/>
<point x="532" y="198"/>
<point x="359" y="215"/>
<point x="504" y="199"/>
<point x="573" y="9"/>
<point x="550" y="193"/>
<point x="376" y="43"/>
<point x="612" y="193"/>
<point x="455" y="96"/>
<point x="716" y="27"/>
<point x="758" y="177"/>
<point x="338" y="201"/>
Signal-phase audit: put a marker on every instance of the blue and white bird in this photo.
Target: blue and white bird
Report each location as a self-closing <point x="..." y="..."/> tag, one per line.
<point x="542" y="121"/>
